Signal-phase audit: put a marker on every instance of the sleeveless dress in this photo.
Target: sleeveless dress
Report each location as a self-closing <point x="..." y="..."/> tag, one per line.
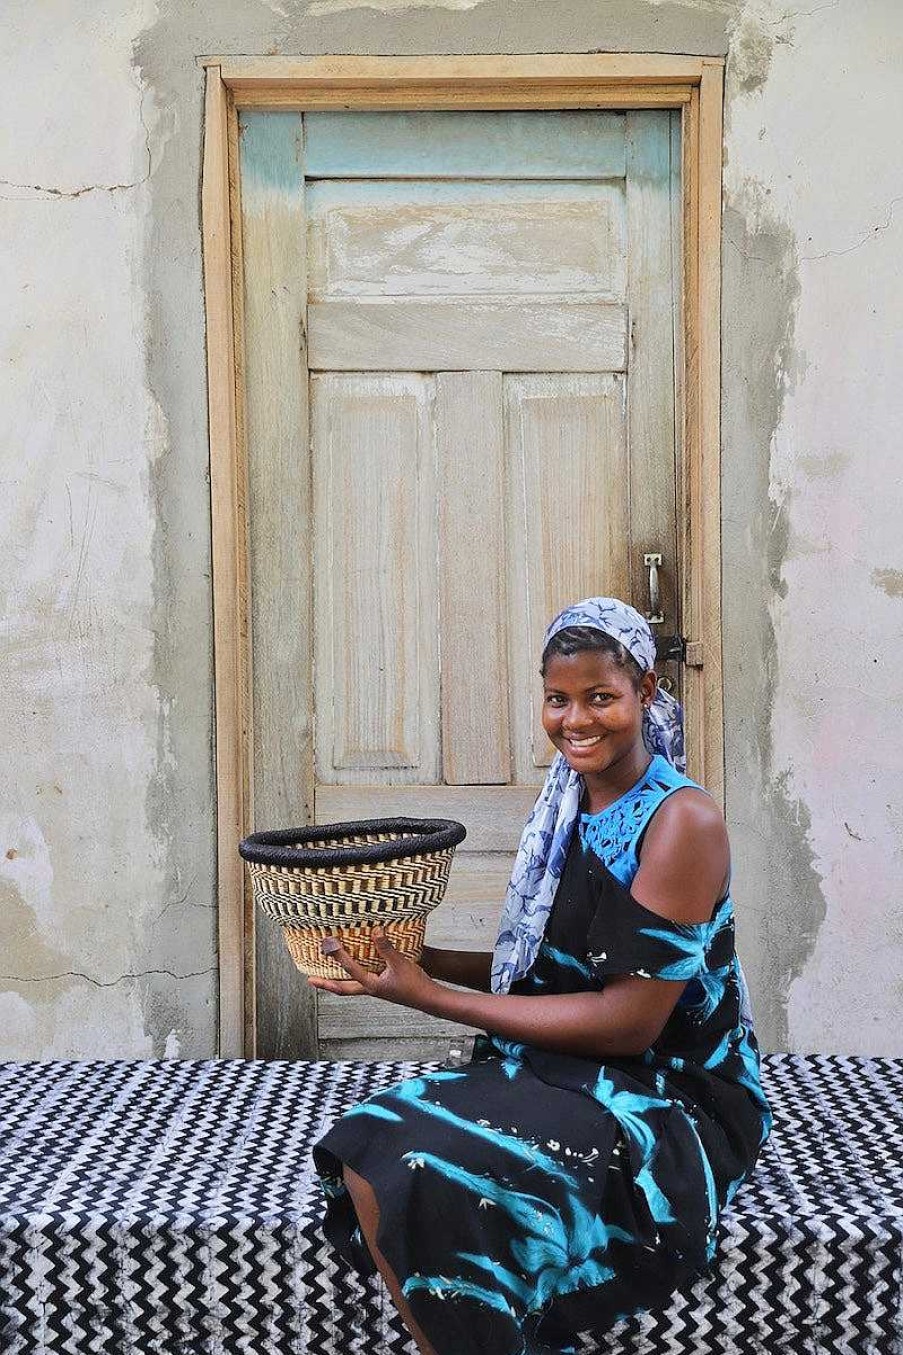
<point x="530" y="1195"/>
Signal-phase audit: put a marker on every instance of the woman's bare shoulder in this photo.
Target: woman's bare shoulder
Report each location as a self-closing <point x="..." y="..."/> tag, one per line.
<point x="685" y="857"/>
<point x="691" y="810"/>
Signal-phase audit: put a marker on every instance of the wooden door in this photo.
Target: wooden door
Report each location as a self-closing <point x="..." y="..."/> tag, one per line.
<point x="473" y="424"/>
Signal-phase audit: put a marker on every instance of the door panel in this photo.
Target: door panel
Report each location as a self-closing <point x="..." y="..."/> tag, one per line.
<point x="652" y="407"/>
<point x="464" y="334"/>
<point x="476" y="745"/>
<point x="562" y="144"/>
<point x="568" y="535"/>
<point x="468" y="918"/>
<point x="465" y="238"/>
<point x="480" y="454"/>
<point x="494" y="815"/>
<point x="376" y="683"/>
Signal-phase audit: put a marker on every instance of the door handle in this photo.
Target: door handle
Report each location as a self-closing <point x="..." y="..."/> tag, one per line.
<point x="654" y="615"/>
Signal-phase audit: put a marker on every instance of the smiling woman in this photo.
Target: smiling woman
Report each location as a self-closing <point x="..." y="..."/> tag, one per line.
<point x="589" y="706"/>
<point x="575" y="1170"/>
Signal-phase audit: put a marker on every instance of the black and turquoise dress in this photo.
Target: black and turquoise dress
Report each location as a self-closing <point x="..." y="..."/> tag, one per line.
<point x="529" y="1195"/>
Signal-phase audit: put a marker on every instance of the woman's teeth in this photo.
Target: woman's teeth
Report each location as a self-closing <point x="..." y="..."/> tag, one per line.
<point x="584" y="743"/>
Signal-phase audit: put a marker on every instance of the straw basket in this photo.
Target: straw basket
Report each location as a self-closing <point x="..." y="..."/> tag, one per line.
<point x="339" y="879"/>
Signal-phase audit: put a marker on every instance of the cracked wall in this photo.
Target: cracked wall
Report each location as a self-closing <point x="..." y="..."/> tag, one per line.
<point x="812" y="278"/>
<point x="107" y="855"/>
<point x="105" y="948"/>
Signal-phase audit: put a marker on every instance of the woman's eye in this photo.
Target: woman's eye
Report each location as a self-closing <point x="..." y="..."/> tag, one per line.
<point x="553" y="699"/>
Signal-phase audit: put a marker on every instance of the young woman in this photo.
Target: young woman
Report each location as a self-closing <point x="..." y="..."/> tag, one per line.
<point x="575" y="1170"/>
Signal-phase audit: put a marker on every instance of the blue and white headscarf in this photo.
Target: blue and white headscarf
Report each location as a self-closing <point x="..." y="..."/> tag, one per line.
<point x="547" y="833"/>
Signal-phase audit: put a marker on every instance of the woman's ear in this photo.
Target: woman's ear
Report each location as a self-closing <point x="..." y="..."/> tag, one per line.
<point x="648" y="686"/>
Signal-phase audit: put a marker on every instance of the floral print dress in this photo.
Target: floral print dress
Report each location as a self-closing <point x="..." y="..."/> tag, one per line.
<point x="530" y="1195"/>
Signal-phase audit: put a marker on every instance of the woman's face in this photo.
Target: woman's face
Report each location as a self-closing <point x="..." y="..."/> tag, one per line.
<point x="591" y="710"/>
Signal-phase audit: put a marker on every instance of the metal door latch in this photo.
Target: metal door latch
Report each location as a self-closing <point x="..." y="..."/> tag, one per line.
<point x="670" y="649"/>
<point x="678" y="649"/>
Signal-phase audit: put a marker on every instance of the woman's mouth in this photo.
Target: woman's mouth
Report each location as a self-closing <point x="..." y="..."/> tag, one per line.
<point x="581" y="745"/>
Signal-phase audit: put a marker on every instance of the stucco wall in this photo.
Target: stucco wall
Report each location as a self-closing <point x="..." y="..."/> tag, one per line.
<point x="813" y="585"/>
<point x="107" y="924"/>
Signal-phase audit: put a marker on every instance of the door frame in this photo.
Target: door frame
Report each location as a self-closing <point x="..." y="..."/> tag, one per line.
<point x="605" y="81"/>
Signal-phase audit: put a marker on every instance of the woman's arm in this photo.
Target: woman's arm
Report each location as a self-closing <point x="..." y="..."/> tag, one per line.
<point x="469" y="968"/>
<point x="622" y="1020"/>
<point x="683" y="863"/>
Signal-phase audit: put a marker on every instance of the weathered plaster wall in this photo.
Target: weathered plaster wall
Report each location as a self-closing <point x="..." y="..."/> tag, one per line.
<point x="106" y="917"/>
<point x="812" y="293"/>
<point x="107" y="931"/>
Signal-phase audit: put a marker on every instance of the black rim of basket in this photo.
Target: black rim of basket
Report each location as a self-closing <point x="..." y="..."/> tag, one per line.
<point x="278" y="846"/>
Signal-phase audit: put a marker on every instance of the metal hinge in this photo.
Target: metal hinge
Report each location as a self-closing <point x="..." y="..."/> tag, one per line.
<point x="678" y="649"/>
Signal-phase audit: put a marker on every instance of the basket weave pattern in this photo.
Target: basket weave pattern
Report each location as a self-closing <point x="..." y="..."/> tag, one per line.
<point x="312" y="901"/>
<point x="303" y="945"/>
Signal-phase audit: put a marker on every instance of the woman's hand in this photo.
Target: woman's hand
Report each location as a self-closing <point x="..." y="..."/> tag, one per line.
<point x="401" y="981"/>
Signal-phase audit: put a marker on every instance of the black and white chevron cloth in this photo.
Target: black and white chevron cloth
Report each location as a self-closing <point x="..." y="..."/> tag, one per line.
<point x="169" y="1208"/>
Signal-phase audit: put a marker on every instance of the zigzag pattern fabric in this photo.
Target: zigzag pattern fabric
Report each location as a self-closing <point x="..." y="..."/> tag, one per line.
<point x="171" y="1208"/>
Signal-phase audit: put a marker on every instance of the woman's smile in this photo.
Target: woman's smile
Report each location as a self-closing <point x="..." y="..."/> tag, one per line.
<point x="582" y="744"/>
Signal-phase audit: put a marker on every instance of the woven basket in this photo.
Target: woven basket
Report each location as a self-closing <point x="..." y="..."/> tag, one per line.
<point x="339" y="879"/>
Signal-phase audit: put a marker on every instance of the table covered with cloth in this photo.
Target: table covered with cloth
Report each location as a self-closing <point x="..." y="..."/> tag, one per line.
<point x="171" y="1208"/>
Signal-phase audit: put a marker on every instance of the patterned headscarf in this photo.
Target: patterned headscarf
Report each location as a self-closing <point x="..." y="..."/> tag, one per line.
<point x="547" y="833"/>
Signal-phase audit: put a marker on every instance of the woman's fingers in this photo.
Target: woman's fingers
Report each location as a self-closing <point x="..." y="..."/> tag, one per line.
<point x="362" y="981"/>
<point x="344" y="987"/>
<point x="383" y="944"/>
<point x="335" y="951"/>
<point x="400" y="980"/>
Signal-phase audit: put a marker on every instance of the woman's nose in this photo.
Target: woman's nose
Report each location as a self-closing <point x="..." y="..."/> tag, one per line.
<point x="577" y="720"/>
